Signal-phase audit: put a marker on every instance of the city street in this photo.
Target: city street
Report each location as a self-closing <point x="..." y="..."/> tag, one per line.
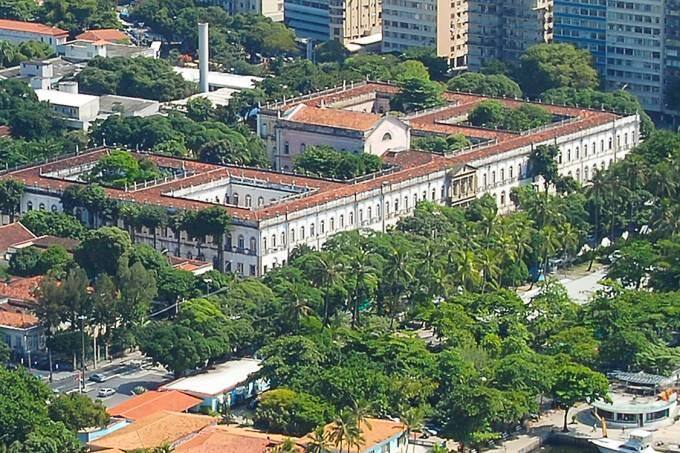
<point x="122" y="376"/>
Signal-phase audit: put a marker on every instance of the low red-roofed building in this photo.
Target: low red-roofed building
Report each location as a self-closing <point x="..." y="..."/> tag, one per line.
<point x="13" y="234"/>
<point x="20" y="329"/>
<point x="378" y="435"/>
<point x="151" y="402"/>
<point x="110" y="35"/>
<point x="17" y="32"/>
<point x="232" y="439"/>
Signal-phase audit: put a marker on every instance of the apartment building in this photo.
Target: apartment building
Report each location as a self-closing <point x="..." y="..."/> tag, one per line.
<point x="427" y="23"/>
<point x="272" y="212"/>
<point x="583" y="23"/>
<point x="467" y="32"/>
<point x="309" y="18"/>
<point x="504" y="29"/>
<point x="17" y="32"/>
<point x="272" y="9"/>
<point x="636" y="44"/>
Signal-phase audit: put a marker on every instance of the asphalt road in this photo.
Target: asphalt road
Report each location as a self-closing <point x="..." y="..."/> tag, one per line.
<point x="121" y="377"/>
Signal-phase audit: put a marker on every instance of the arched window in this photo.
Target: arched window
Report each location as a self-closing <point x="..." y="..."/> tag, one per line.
<point x="585" y="150"/>
<point x="502" y="174"/>
<point x="312" y="231"/>
<point x="578" y="152"/>
<point x="569" y="155"/>
<point x="342" y="221"/>
<point x="415" y="199"/>
<point x="425" y="191"/>
<point x="29" y="206"/>
<point x="377" y="210"/>
<point x="611" y="142"/>
<point x="302" y="233"/>
<point x="286" y="148"/>
<point x="292" y="235"/>
<point x="434" y="194"/>
<point x="283" y="239"/>
<point x="585" y="174"/>
<point x="601" y="146"/>
<point x="519" y="171"/>
<point x="41" y="206"/>
<point x="510" y="170"/>
<point x="322" y="227"/>
<point x="235" y="199"/>
<point x="303" y="147"/>
<point x="351" y="218"/>
<point x="406" y="202"/>
<point x="493" y="178"/>
<point x="578" y="174"/>
<point x="249" y="201"/>
<point x="253" y="245"/>
<point x="361" y="216"/>
<point x="260" y="201"/>
<point x="273" y="240"/>
<point x="625" y="138"/>
<point x="396" y="206"/>
<point x="369" y="211"/>
<point x="332" y="224"/>
<point x="387" y="137"/>
<point x="241" y="242"/>
<point x="503" y="198"/>
<point x="483" y="181"/>
<point x="228" y="242"/>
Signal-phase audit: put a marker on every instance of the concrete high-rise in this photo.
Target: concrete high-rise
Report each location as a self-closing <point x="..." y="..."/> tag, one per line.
<point x="441" y="24"/>
<point x="636" y="43"/>
<point x="353" y="19"/>
<point x="272" y="9"/>
<point x="504" y="29"/>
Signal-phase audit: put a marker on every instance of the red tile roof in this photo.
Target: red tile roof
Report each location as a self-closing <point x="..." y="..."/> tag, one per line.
<point x="231" y="439"/>
<point x="374" y="432"/>
<point x="341" y="119"/>
<point x="31" y="27"/>
<point x="11" y="316"/>
<point x="151" y="402"/>
<point x="105" y="34"/>
<point x="12" y="234"/>
<point x="20" y="288"/>
<point x="414" y="164"/>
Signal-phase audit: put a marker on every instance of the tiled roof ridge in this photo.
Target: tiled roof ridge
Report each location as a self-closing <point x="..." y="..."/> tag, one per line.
<point x="31" y="27"/>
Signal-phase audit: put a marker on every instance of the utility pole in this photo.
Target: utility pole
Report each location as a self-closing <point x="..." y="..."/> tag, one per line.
<point x="82" y="353"/>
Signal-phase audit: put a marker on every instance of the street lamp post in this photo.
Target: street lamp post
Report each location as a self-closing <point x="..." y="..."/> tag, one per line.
<point x="82" y="353"/>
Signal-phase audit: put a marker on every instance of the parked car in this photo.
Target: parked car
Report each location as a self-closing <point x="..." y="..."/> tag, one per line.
<point x="105" y="392"/>
<point x="98" y="377"/>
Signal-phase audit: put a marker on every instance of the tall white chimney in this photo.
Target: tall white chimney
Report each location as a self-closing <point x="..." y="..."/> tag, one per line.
<point x="203" y="56"/>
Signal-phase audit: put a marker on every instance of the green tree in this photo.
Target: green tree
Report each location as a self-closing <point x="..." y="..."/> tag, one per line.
<point x="176" y="347"/>
<point x="54" y="258"/>
<point x="439" y="144"/>
<point x="574" y="383"/>
<point x="137" y="287"/>
<point x="635" y="262"/>
<point x="23" y="10"/>
<point x="543" y="161"/>
<point x="200" y="109"/>
<point x="49" y="437"/>
<point x="120" y="169"/>
<point x="53" y="223"/>
<point x="288" y="412"/>
<point x="102" y="250"/>
<point x="10" y="196"/>
<point x="5" y="352"/>
<point x="326" y="162"/>
<point x="417" y="94"/>
<point x="22" y="404"/>
<point x="78" y="411"/>
<point x="489" y="85"/>
<point x="213" y="221"/>
<point x="546" y="66"/>
<point x="24" y="262"/>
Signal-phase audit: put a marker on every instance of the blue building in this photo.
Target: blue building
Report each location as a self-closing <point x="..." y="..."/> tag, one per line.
<point x="309" y="18"/>
<point x="583" y="23"/>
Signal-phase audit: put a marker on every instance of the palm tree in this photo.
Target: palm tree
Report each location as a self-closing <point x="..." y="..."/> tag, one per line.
<point x="488" y="263"/>
<point x="176" y="223"/>
<point x="296" y="300"/>
<point x="287" y="446"/>
<point x="413" y="418"/>
<point x="7" y="53"/>
<point x="152" y="217"/>
<point x="342" y="429"/>
<point x="596" y="193"/>
<point x="570" y="238"/>
<point x="549" y="244"/>
<point x="398" y="273"/>
<point x="366" y="280"/>
<point x="319" y="441"/>
<point x="466" y="268"/>
<point x="666" y="219"/>
<point x="130" y="214"/>
<point x="327" y="274"/>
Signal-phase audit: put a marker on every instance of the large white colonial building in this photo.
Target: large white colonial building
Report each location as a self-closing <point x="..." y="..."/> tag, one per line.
<point x="273" y="212"/>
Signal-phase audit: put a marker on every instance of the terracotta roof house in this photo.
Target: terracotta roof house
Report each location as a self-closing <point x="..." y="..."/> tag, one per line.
<point x="161" y="428"/>
<point x="152" y="402"/>
<point x="378" y="435"/>
<point x="17" y="32"/>
<point x="108" y="35"/>
<point x="13" y="234"/>
<point x="231" y="439"/>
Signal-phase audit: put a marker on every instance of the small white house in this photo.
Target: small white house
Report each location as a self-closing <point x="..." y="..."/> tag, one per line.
<point x="79" y="110"/>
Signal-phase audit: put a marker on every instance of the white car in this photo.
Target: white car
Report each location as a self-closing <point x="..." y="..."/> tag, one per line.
<point x="105" y="392"/>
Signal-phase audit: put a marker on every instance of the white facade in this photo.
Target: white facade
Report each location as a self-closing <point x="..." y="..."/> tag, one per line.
<point x="272" y="9"/>
<point x="17" y="32"/>
<point x="79" y="110"/>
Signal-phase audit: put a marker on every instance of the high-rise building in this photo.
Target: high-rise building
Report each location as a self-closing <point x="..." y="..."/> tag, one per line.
<point x="641" y="41"/>
<point x="583" y="23"/>
<point x="504" y="29"/>
<point x="441" y="24"/>
<point x="272" y="9"/>
<point x="353" y="19"/>
<point x="672" y="56"/>
<point x="309" y="18"/>
<point x="467" y="32"/>
<point x="341" y="20"/>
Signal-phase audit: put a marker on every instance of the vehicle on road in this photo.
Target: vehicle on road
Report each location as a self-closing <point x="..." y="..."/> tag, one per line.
<point x="98" y="377"/>
<point x="105" y="392"/>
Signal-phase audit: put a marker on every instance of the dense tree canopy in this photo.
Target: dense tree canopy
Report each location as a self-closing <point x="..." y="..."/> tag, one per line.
<point x="120" y="169"/>
<point x="493" y="114"/>
<point x="147" y="78"/>
<point x="489" y="85"/>
<point x="326" y="162"/>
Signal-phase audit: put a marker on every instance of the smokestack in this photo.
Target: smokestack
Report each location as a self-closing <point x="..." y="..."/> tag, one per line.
<point x="203" y="56"/>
